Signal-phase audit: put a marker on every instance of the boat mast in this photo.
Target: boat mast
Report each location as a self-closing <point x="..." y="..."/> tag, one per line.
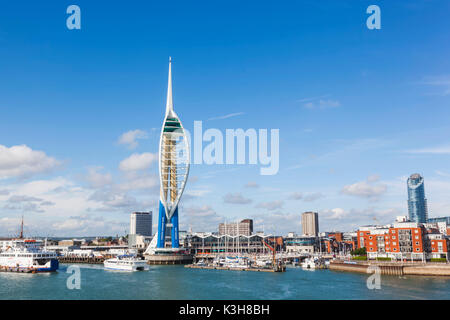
<point x="21" y="229"/>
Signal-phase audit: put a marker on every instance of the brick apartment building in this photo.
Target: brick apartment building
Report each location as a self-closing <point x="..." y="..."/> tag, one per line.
<point x="403" y="241"/>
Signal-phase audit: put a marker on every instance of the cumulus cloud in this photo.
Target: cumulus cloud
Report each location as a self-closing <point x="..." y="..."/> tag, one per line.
<point x="136" y="181"/>
<point x="97" y="179"/>
<point x="270" y="205"/>
<point x="236" y="198"/>
<point x="309" y="197"/>
<point x="22" y="161"/>
<point x="138" y="161"/>
<point x="129" y="138"/>
<point x="336" y="213"/>
<point x="200" y="211"/>
<point x="26" y="203"/>
<point x="201" y="218"/>
<point x="85" y="225"/>
<point x="365" y="189"/>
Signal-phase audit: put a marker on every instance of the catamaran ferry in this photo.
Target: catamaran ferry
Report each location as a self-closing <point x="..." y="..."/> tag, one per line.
<point x="27" y="255"/>
<point x="126" y="263"/>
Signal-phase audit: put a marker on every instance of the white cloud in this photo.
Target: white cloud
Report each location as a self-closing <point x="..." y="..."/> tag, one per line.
<point x="365" y="189"/>
<point x="89" y="225"/>
<point x="97" y="179"/>
<point x="129" y="138"/>
<point x="139" y="182"/>
<point x="236" y="198"/>
<point x="336" y="213"/>
<point x="270" y="205"/>
<point x="138" y="161"/>
<point x="22" y="161"/>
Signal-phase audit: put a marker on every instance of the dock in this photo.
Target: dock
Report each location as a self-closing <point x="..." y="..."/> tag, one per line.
<point x="193" y="266"/>
<point x="17" y="270"/>
<point x="89" y="260"/>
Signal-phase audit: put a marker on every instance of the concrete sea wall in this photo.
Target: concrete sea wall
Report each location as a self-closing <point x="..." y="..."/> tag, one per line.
<point x="420" y="269"/>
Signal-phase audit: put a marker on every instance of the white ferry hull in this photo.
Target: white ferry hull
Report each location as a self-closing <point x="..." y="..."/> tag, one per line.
<point x="138" y="266"/>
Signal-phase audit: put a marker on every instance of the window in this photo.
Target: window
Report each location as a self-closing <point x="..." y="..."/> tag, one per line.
<point x="393" y="237"/>
<point x="417" y="243"/>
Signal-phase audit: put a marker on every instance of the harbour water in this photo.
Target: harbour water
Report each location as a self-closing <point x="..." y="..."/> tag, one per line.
<point x="177" y="282"/>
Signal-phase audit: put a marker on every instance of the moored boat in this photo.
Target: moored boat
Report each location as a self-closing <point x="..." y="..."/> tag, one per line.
<point x="27" y="255"/>
<point x="126" y="263"/>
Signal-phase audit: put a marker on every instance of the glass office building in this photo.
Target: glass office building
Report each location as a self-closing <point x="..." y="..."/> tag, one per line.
<point x="417" y="203"/>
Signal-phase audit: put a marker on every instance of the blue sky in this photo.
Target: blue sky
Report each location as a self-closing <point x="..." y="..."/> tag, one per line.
<point x="358" y="110"/>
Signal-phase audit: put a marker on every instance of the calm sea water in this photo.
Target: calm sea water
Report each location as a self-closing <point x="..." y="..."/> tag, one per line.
<point x="177" y="282"/>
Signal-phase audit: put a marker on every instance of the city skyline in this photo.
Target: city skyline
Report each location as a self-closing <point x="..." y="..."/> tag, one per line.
<point x="81" y="120"/>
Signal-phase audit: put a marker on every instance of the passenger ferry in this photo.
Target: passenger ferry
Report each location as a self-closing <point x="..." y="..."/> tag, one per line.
<point x="126" y="263"/>
<point x="27" y="255"/>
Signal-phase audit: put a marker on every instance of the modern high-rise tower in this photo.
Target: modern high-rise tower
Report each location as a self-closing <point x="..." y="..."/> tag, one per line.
<point x="417" y="203"/>
<point x="174" y="157"/>
<point x="310" y="223"/>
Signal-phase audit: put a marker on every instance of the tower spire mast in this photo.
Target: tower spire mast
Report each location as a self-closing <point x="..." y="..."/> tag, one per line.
<point x="169" y="103"/>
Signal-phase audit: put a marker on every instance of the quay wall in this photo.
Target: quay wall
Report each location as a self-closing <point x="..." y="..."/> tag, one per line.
<point x="168" y="259"/>
<point x="89" y="260"/>
<point x="397" y="269"/>
<point x="348" y="267"/>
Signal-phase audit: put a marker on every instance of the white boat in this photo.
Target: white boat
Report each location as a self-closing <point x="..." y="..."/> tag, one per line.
<point x="201" y="263"/>
<point x="27" y="255"/>
<point x="236" y="262"/>
<point x="264" y="263"/>
<point x="309" y="263"/>
<point x="126" y="263"/>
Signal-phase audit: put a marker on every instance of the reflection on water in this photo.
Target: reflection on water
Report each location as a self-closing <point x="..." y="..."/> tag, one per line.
<point x="177" y="282"/>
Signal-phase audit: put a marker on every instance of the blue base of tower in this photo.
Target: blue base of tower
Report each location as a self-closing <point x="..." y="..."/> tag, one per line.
<point x="162" y="223"/>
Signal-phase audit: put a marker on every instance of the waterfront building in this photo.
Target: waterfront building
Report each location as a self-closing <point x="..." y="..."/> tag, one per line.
<point x="417" y="203"/>
<point x="174" y="157"/>
<point x="302" y="244"/>
<point x="403" y="241"/>
<point x="245" y="228"/>
<point x="310" y="223"/>
<point x="340" y="242"/>
<point x="141" y="223"/>
<point x="209" y="243"/>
